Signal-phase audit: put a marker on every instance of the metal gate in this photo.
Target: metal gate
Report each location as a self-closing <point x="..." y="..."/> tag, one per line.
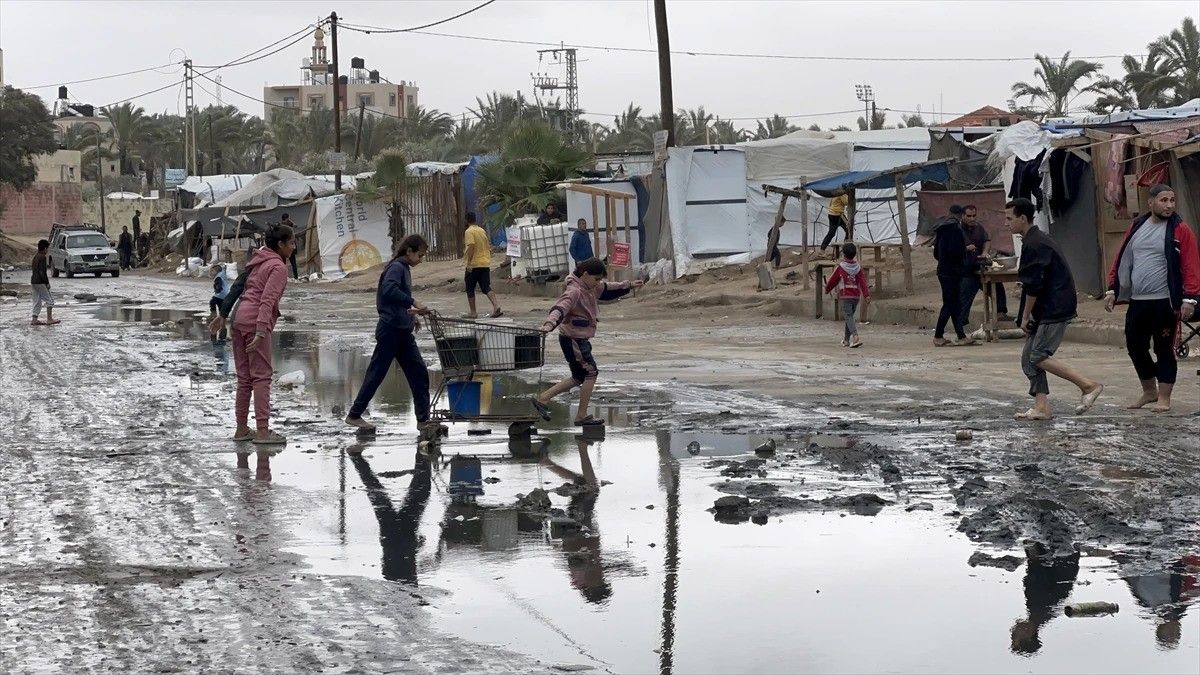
<point x="433" y="208"/>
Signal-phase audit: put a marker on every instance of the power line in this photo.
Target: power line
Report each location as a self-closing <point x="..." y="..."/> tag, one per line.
<point x="152" y="91"/>
<point x="105" y="77"/>
<point x="242" y="60"/>
<point x="791" y="57"/>
<point x="376" y="29"/>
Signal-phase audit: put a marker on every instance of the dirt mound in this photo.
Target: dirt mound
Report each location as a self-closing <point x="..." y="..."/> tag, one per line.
<point x="15" y="253"/>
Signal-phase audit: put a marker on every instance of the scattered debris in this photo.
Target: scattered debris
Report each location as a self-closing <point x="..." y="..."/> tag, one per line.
<point x="296" y="377"/>
<point x="1008" y="563"/>
<point x="693" y="448"/>
<point x="537" y="500"/>
<point x="919" y="506"/>
<point x="1091" y="608"/>
<point x="767" y="448"/>
<point x="964" y="435"/>
<point x="85" y="297"/>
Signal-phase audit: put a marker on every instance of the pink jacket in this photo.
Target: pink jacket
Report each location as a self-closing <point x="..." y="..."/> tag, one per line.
<point x="852" y="278"/>
<point x="258" y="308"/>
<point x="575" y="310"/>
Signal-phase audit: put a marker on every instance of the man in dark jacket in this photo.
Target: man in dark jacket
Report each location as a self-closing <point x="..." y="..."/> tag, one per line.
<point x="950" y="250"/>
<point x="1048" y="304"/>
<point x="1157" y="272"/>
<point x="581" y="244"/>
<point x="125" y="248"/>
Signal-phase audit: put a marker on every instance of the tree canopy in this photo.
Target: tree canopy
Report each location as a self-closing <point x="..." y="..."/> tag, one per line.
<point x="26" y="130"/>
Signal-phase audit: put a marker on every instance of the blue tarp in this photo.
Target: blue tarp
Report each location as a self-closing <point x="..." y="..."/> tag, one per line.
<point x="879" y="180"/>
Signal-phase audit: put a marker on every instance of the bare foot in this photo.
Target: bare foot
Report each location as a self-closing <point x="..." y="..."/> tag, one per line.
<point x="1160" y="406"/>
<point x="1145" y="400"/>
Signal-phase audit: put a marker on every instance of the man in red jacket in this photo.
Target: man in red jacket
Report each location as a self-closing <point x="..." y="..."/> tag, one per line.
<point x="1157" y="273"/>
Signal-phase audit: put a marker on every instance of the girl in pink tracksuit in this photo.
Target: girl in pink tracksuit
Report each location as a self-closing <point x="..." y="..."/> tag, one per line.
<point x="853" y="280"/>
<point x="253" y="323"/>
<point x="574" y="314"/>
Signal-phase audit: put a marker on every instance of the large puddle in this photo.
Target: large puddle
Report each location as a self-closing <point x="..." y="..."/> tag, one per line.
<point x="639" y="577"/>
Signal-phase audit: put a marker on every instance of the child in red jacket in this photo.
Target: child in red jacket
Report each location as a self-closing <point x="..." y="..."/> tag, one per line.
<point x="853" y="280"/>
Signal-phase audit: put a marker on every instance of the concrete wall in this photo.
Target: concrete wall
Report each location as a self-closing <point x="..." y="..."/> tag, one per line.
<point x="118" y="212"/>
<point x="59" y="167"/>
<point x="36" y="208"/>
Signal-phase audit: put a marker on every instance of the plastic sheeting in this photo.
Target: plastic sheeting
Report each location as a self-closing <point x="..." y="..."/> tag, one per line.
<point x="270" y="188"/>
<point x="579" y="205"/>
<point x="214" y="188"/>
<point x="801" y="153"/>
<point x="706" y="200"/>
<point x="352" y="234"/>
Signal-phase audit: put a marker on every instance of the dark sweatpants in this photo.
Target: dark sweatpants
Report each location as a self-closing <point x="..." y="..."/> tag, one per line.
<point x="951" y="312"/>
<point x="1147" y="322"/>
<point x="401" y="346"/>
<point x="971" y="285"/>
<point x="835" y="222"/>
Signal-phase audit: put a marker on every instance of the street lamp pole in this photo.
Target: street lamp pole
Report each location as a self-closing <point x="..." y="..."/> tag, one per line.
<point x="865" y="94"/>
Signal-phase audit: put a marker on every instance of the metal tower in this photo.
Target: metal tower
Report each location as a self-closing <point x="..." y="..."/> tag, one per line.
<point x="189" y="128"/>
<point x="566" y="57"/>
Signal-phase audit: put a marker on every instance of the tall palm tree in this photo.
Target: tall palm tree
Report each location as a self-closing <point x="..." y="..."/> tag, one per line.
<point x="1058" y="83"/>
<point x="499" y="112"/>
<point x="773" y="127"/>
<point x="128" y="123"/>
<point x="425" y="124"/>
<point x="725" y="133"/>
<point x="1180" y="54"/>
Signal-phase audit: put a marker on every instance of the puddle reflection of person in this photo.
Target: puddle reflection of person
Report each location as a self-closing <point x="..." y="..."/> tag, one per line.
<point x="581" y="547"/>
<point x="1048" y="584"/>
<point x="398" y="527"/>
<point x="262" y="469"/>
<point x="1166" y="593"/>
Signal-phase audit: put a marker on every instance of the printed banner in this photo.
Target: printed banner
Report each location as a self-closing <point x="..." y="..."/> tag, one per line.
<point x="514" y="241"/>
<point x="353" y="235"/>
<point x="620" y="254"/>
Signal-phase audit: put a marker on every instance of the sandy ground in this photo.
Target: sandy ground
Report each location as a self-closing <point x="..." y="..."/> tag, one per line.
<point x="130" y="543"/>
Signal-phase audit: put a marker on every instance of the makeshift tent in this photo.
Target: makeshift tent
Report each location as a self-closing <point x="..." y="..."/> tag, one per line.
<point x="351" y="234"/>
<point x="213" y="188"/>
<point x="971" y="170"/>
<point x="715" y="203"/>
<point x="627" y="223"/>
<point x="271" y="188"/>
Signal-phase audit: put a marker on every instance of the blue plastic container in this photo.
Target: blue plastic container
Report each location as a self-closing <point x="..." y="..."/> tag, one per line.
<point x="464" y="397"/>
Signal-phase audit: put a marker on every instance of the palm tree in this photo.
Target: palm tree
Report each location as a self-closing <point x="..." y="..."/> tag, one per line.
<point x="424" y="124"/>
<point x="878" y="119"/>
<point x="1059" y="83"/>
<point x="390" y="183"/>
<point x="1180" y="55"/>
<point x="128" y="123"/>
<point x="83" y="139"/>
<point x="1145" y="84"/>
<point x="773" y="127"/>
<point x="532" y="160"/>
<point x="499" y="112"/>
<point x="913" y="120"/>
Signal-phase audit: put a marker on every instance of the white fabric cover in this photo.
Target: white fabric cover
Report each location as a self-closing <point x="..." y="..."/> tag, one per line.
<point x="579" y="205"/>
<point x="352" y="234"/>
<point x="269" y="188"/>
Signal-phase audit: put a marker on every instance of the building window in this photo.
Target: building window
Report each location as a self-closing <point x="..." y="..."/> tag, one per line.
<point x="289" y="101"/>
<point x="366" y="100"/>
<point x="391" y="100"/>
<point x="409" y="102"/>
<point x="316" y="102"/>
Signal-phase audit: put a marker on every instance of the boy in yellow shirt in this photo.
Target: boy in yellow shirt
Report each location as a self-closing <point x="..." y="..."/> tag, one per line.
<point x="837" y="219"/>
<point x="478" y="260"/>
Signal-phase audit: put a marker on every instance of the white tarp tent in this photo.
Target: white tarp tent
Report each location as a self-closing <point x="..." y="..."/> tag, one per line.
<point x="352" y="234"/>
<point x="877" y="218"/>
<point x="212" y="188"/>
<point x="270" y="188"/>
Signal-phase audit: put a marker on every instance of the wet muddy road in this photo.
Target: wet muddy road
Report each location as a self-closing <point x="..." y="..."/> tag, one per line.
<point x="135" y="538"/>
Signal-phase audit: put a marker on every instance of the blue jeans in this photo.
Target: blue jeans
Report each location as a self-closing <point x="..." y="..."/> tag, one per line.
<point x="401" y="346"/>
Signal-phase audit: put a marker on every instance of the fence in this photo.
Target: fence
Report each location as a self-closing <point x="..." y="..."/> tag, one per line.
<point x="434" y="209"/>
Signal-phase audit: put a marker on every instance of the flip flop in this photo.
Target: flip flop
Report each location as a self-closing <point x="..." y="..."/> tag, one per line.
<point x="542" y="408"/>
<point x="495" y="315"/>
<point x="1033" y="415"/>
<point x="1088" y="400"/>
<point x="589" y="421"/>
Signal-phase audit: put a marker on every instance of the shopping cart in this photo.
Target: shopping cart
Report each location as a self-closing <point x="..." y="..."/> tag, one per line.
<point x="467" y="348"/>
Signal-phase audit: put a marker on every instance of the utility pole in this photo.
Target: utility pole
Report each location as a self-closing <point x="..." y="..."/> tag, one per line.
<point x="189" y="124"/>
<point x="100" y="178"/>
<point x="667" y="102"/>
<point x="337" y="100"/>
<point x="212" y="151"/>
<point x="866" y="94"/>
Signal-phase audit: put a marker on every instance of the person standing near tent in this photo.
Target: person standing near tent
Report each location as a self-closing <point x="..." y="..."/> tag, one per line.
<point x="394" y="335"/>
<point x="979" y="245"/>
<point x="1048" y="304"/>
<point x="253" y="325"/>
<point x="137" y="225"/>
<point x="286" y="220"/>
<point x="477" y="259"/>
<point x="837" y="218"/>
<point x="1157" y="273"/>
<point x="950" y="251"/>
<point x="581" y="243"/>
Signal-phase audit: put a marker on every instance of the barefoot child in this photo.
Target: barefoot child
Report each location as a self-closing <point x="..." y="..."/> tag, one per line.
<point x="853" y="280"/>
<point x="40" y="281"/>
<point x="394" y="335"/>
<point x="574" y="314"/>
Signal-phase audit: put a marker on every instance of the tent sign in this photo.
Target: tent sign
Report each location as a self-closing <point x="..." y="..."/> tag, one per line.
<point x="620" y="254"/>
<point x="175" y="177"/>
<point x="513" y="234"/>
<point x="337" y="161"/>
<point x="660" y="145"/>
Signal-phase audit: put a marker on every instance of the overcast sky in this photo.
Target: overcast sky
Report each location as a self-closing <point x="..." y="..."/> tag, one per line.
<point x="48" y="43"/>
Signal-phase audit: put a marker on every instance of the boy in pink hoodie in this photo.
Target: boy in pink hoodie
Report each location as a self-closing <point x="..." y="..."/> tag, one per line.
<point x="853" y="280"/>
<point x="574" y="314"/>
<point x="258" y="310"/>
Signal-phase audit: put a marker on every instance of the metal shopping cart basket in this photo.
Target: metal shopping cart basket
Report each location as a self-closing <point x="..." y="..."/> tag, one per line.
<point x="466" y="348"/>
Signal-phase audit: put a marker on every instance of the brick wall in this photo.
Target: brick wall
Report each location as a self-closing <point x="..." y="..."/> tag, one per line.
<point x="37" y="207"/>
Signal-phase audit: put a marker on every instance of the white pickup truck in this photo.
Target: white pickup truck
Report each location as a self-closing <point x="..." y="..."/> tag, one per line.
<point x="79" y="251"/>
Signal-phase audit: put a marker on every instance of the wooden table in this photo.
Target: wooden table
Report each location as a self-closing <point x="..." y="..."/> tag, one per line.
<point x="819" y="268"/>
<point x="989" y="279"/>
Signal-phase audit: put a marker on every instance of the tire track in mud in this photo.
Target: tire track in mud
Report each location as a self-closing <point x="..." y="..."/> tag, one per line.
<point x="132" y="542"/>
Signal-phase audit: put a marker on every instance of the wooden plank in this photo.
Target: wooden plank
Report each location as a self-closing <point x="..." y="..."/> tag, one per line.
<point x="851" y="212"/>
<point x="905" y="245"/>
<point x="804" y="235"/>
<point x="595" y="227"/>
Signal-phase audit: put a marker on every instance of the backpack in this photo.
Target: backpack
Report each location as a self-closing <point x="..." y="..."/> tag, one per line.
<point x="218" y="284"/>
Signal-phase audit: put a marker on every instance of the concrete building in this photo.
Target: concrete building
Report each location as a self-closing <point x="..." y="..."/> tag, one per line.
<point x="359" y="87"/>
<point x="62" y="166"/>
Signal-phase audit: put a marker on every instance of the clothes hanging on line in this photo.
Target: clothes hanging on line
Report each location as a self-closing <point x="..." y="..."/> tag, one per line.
<point x="1027" y="180"/>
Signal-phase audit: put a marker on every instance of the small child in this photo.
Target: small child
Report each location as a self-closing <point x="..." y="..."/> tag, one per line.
<point x="854" y="287"/>
<point x="40" y="281"/>
<point x="220" y="292"/>
<point x="574" y="314"/>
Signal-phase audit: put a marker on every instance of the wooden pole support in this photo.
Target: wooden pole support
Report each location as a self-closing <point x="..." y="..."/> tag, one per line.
<point x="905" y="244"/>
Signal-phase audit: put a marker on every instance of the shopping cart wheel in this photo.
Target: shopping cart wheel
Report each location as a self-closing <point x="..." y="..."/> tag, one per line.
<point x="517" y="429"/>
<point x="1182" y="351"/>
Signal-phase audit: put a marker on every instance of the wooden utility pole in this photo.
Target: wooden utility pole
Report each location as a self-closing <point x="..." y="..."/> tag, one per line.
<point x="664" y="71"/>
<point x="337" y="100"/>
<point x="905" y="244"/>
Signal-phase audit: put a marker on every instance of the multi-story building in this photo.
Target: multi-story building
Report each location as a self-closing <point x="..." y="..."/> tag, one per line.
<point x="362" y="87"/>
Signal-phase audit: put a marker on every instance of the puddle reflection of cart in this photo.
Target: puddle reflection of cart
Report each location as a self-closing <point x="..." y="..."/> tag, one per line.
<point x="467" y="348"/>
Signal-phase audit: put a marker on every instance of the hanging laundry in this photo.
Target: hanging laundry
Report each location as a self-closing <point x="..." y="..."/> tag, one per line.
<point x="1027" y="180"/>
<point x="1066" y="169"/>
<point x="1159" y="173"/>
<point x="1114" y="173"/>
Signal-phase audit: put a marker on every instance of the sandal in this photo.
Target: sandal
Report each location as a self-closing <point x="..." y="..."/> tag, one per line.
<point x="1033" y="415"/>
<point x="589" y="421"/>
<point x="242" y="438"/>
<point x="1088" y="400"/>
<point x="273" y="438"/>
<point x="496" y="314"/>
<point x="542" y="408"/>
